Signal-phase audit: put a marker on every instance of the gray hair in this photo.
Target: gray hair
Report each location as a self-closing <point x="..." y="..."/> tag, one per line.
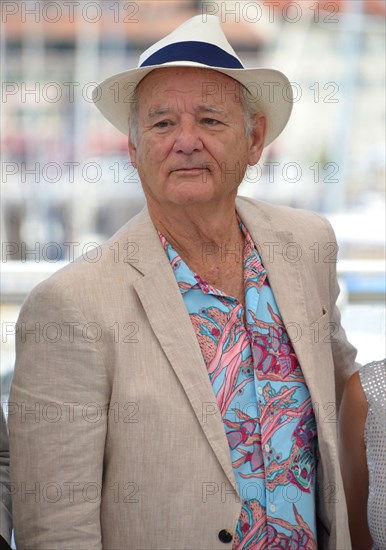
<point x="250" y="109"/>
<point x="133" y="117"/>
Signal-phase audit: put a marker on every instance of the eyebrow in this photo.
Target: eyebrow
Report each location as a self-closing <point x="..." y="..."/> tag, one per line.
<point x="210" y="109"/>
<point x="159" y="111"/>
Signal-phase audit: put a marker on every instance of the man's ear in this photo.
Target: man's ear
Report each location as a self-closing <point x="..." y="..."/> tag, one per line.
<point x="132" y="152"/>
<point x="257" y="138"/>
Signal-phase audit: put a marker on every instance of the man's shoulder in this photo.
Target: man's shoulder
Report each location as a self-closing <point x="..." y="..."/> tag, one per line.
<point x="286" y="218"/>
<point x="106" y="264"/>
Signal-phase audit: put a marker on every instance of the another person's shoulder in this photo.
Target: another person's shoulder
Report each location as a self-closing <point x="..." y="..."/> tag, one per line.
<point x="372" y="377"/>
<point x="366" y="387"/>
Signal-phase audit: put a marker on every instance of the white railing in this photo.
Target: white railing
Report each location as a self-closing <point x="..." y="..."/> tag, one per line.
<point x="19" y="278"/>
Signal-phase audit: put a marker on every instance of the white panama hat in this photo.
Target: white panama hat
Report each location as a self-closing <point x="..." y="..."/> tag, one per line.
<point x="199" y="42"/>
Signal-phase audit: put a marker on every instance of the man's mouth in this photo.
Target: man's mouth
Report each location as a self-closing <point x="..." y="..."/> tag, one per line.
<point x="191" y="169"/>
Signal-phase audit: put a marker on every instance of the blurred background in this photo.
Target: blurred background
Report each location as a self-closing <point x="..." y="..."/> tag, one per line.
<point x="67" y="182"/>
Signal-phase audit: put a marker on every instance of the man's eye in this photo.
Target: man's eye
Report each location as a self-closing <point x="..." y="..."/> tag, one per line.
<point x="162" y="124"/>
<point x="211" y="121"/>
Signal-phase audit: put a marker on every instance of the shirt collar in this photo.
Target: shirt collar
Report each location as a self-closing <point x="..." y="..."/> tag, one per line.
<point x="188" y="280"/>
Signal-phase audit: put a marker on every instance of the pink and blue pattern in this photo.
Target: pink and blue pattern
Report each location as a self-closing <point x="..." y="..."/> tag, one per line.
<point x="264" y="402"/>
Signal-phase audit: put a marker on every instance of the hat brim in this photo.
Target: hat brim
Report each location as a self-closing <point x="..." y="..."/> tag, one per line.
<point x="268" y="88"/>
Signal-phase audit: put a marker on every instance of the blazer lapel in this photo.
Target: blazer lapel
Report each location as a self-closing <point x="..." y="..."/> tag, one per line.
<point x="285" y="277"/>
<point x="164" y="306"/>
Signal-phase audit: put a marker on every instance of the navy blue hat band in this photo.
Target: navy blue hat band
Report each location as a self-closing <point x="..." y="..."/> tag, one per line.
<point x="200" y="52"/>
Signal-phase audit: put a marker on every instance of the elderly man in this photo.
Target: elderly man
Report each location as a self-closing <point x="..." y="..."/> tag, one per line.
<point x="180" y="392"/>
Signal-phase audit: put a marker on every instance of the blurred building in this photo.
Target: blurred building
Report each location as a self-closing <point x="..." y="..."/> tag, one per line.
<point x="66" y="176"/>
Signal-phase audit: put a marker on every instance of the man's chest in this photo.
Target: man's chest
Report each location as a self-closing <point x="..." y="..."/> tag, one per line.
<point x="229" y="278"/>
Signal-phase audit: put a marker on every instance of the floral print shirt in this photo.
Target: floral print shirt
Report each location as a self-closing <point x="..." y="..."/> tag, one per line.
<point x="264" y="402"/>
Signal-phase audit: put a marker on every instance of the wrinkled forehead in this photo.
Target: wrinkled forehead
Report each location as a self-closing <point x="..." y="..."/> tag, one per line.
<point x="203" y="86"/>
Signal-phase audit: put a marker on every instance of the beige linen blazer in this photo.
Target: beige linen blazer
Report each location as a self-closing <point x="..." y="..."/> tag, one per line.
<point x="5" y="503"/>
<point x="116" y="438"/>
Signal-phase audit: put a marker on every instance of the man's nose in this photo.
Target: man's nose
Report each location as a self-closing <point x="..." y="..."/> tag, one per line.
<point x="188" y="138"/>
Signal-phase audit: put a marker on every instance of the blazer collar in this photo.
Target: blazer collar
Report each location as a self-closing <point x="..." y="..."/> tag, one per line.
<point x="165" y="309"/>
<point x="283" y="258"/>
<point x="141" y="235"/>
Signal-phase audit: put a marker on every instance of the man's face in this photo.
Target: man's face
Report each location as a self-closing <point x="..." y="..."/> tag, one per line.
<point x="192" y="147"/>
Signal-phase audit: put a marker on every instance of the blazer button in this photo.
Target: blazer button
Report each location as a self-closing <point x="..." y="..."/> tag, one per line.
<point x="225" y="535"/>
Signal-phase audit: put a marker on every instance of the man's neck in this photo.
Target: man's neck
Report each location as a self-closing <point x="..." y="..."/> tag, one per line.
<point x="202" y="236"/>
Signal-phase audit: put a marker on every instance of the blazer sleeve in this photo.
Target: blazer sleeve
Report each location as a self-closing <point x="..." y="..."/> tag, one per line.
<point x="5" y="503"/>
<point x="343" y="352"/>
<point x="57" y="424"/>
